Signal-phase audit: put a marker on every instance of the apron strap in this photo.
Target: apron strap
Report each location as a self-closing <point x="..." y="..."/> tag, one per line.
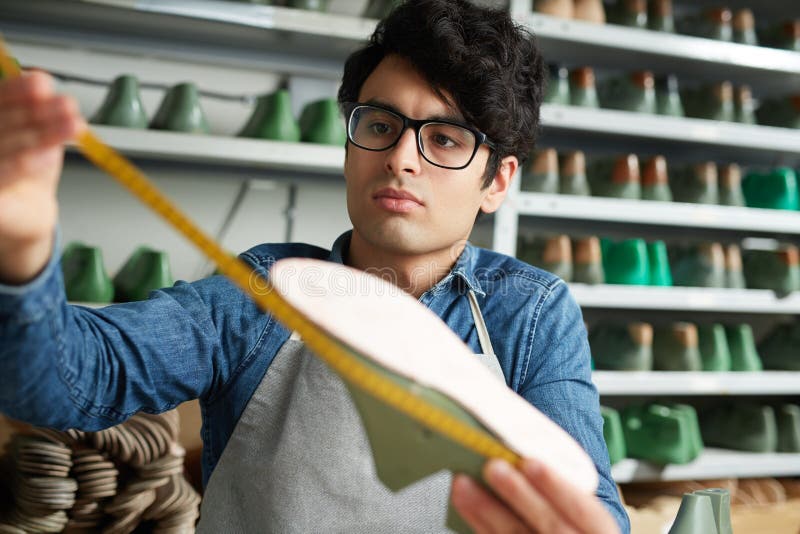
<point x="480" y="324"/>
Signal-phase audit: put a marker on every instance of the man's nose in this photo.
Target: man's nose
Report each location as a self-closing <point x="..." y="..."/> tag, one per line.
<point x="404" y="157"/>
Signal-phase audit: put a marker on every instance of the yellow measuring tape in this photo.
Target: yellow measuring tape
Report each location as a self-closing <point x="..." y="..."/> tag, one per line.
<point x="336" y="356"/>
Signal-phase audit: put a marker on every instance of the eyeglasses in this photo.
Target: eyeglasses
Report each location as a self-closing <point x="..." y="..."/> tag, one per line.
<point x="446" y="144"/>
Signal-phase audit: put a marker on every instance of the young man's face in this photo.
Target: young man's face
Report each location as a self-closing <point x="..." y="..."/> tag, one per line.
<point x="445" y="202"/>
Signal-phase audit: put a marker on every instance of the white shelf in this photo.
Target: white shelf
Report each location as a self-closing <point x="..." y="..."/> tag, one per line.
<point x="248" y="28"/>
<point x="610" y="45"/>
<point x="711" y="464"/>
<point x="265" y="17"/>
<point x="219" y="150"/>
<point x="696" y="383"/>
<point x="676" y="214"/>
<point x="204" y="31"/>
<point x="685" y="299"/>
<point x="742" y="142"/>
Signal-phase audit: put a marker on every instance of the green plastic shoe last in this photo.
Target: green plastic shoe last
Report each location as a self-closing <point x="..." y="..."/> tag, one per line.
<point x="744" y="28"/>
<point x="655" y="180"/>
<point x="781" y="112"/>
<point x="617" y="177"/>
<point x="540" y="172"/>
<point x="558" y="86"/>
<point x="85" y="277"/>
<point x="744" y="107"/>
<point x="123" y="106"/>
<point x="658" y="433"/>
<point x="773" y="190"/>
<point x="180" y="111"/>
<point x="700" y="265"/>
<point x="742" y="346"/>
<point x="146" y="270"/>
<point x="742" y="426"/>
<point x="321" y="123"/>
<point x="659" y="270"/>
<point x="711" y="24"/>
<point x="309" y="5"/>
<point x="618" y="347"/>
<point x="572" y="175"/>
<point x="553" y="254"/>
<point x="587" y="261"/>
<point x="730" y="185"/>
<point x="714" y="349"/>
<point x="778" y="270"/>
<point x="659" y="16"/>
<point x="703" y="512"/>
<point x="734" y="275"/>
<point x="721" y="503"/>
<point x="613" y="435"/>
<point x="582" y="89"/>
<point x="635" y="92"/>
<point x="689" y="415"/>
<point x="668" y="96"/>
<point x="788" y="419"/>
<point x="273" y="119"/>
<point x="713" y="102"/>
<point x="625" y="262"/>
<point x="696" y="184"/>
<point x="675" y="348"/>
<point x="632" y="13"/>
<point x="779" y="350"/>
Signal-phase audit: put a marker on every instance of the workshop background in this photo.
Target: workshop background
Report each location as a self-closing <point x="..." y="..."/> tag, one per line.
<point x="664" y="189"/>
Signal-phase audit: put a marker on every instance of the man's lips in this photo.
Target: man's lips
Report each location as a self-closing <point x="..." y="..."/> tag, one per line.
<point x="400" y="194"/>
<point x="396" y="200"/>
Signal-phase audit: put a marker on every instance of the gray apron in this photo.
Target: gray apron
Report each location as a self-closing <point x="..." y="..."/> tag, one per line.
<point x="299" y="459"/>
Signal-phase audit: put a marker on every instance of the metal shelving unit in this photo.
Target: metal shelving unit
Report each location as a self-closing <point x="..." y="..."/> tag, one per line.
<point x="768" y="72"/>
<point x="695" y="383"/>
<point x="711" y="464"/>
<point x="573" y="41"/>
<point x="651" y="213"/>
<point x="269" y="157"/>
<point x="660" y="134"/>
<point x="697" y="299"/>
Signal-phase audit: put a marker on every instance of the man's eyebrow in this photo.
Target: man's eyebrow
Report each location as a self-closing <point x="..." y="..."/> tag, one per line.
<point x="451" y="117"/>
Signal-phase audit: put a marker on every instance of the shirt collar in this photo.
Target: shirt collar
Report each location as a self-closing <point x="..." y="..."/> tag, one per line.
<point x="463" y="269"/>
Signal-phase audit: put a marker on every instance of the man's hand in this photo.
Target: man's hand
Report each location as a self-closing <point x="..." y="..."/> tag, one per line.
<point x="35" y="122"/>
<point x="533" y="500"/>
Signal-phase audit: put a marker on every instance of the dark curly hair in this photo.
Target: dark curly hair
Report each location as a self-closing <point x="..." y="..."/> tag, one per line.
<point x="492" y="67"/>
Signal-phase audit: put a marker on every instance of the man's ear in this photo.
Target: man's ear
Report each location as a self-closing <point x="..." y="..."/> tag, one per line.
<point x="498" y="189"/>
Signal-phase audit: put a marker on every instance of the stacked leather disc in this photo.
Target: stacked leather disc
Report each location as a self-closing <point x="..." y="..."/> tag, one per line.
<point x="109" y="481"/>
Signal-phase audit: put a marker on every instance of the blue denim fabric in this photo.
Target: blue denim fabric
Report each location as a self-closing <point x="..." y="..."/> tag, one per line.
<point x="68" y="366"/>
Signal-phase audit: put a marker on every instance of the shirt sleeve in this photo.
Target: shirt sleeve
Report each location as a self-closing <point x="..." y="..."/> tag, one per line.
<point x="66" y="366"/>
<point x="559" y="384"/>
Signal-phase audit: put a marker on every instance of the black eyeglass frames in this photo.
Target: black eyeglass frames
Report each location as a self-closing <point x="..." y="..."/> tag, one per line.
<point x="446" y="144"/>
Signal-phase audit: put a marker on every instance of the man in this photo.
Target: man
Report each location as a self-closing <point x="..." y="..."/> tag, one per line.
<point x="442" y="106"/>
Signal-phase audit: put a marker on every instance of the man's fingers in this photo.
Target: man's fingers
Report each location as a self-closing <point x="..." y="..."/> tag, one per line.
<point x="523" y="498"/>
<point x="484" y="513"/>
<point x="30" y="87"/>
<point x="54" y="108"/>
<point x="53" y="123"/>
<point x="584" y="512"/>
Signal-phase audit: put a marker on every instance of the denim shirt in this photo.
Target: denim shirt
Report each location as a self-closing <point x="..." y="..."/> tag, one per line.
<point x="67" y="366"/>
